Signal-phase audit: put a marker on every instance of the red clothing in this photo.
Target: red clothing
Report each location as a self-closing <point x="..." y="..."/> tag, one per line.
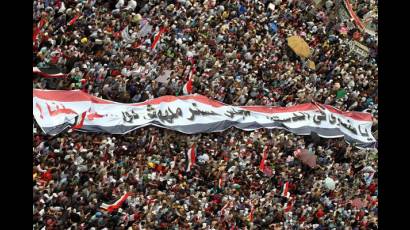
<point x="320" y="213"/>
<point x="360" y="215"/>
<point x="115" y="72"/>
<point x="356" y="35"/>
<point x="372" y="188"/>
<point x="47" y="176"/>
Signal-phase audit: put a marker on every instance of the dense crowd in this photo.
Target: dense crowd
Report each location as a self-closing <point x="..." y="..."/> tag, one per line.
<point x="238" y="54"/>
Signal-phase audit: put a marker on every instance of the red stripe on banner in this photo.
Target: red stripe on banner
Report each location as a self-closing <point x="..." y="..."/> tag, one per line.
<point x="78" y="96"/>
<point x="67" y="96"/>
<point x="294" y="108"/>
<point x="308" y="107"/>
<point x="354" y="115"/>
<point x="198" y="98"/>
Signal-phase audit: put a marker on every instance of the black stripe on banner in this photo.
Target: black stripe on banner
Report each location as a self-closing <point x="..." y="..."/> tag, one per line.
<point x="56" y="129"/>
<point x="221" y="126"/>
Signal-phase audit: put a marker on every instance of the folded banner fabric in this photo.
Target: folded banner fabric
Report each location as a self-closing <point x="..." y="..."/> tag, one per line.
<point x="50" y="72"/>
<point x="57" y="110"/>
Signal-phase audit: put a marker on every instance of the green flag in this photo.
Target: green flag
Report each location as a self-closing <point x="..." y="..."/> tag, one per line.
<point x="341" y="93"/>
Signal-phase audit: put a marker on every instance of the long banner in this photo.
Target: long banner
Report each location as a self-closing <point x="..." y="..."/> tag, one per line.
<point x="57" y="110"/>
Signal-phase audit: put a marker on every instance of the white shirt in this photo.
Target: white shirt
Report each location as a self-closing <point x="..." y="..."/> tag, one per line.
<point x="132" y="4"/>
<point x="119" y="4"/>
<point x="203" y="158"/>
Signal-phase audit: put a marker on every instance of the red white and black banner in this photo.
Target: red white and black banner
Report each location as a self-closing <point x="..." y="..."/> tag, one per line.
<point x="58" y="110"/>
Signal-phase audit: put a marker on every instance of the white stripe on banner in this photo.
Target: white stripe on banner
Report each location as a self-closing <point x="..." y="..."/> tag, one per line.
<point x="55" y="110"/>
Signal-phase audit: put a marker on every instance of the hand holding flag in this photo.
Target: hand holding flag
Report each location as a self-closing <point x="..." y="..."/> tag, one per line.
<point x="191" y="158"/>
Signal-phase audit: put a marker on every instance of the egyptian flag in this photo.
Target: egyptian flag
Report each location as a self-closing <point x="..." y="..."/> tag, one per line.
<point x="220" y="183"/>
<point x="250" y="217"/>
<point x="225" y="207"/>
<point x="288" y="205"/>
<point x="72" y="21"/>
<point x="151" y="144"/>
<point x="116" y="205"/>
<point x="50" y="72"/>
<point x="37" y="31"/>
<point x="157" y="38"/>
<point x="191" y="158"/>
<point x="285" y="190"/>
<point x="187" y="89"/>
<point x="265" y="155"/>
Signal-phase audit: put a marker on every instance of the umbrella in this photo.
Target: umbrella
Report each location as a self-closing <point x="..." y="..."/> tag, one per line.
<point x="330" y="183"/>
<point x="299" y="46"/>
<point x="273" y="27"/>
<point x="307" y="158"/>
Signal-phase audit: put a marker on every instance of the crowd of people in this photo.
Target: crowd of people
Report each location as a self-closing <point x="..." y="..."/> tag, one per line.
<point x="236" y="52"/>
